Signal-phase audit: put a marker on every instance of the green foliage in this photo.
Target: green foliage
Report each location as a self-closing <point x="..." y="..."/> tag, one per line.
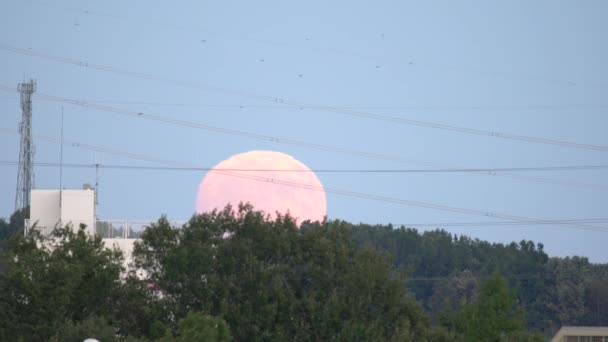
<point x="136" y="310"/>
<point x="597" y="302"/>
<point x="238" y="274"/>
<point x="15" y="223"/>
<point x="92" y="327"/>
<point x="69" y="276"/>
<point x="492" y="317"/>
<point x="271" y="281"/>
<point x="204" y="328"/>
<point x="551" y="291"/>
<point x="568" y="289"/>
<point x="5" y="231"/>
<point x="451" y="293"/>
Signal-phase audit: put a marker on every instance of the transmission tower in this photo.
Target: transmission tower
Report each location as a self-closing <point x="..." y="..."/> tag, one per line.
<point x="25" y="174"/>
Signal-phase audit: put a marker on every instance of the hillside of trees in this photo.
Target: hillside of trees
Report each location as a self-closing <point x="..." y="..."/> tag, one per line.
<point x="237" y="275"/>
<point x="446" y="270"/>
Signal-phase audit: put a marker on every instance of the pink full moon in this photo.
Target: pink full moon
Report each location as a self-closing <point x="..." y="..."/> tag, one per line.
<point x="296" y="189"/>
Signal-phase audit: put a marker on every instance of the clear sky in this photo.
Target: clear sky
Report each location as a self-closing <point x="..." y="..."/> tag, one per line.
<point x="534" y="68"/>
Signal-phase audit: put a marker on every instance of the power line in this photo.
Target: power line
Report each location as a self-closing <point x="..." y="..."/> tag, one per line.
<point x="341" y="192"/>
<point x="113" y="151"/>
<point x="182" y="168"/>
<point x="399" y="201"/>
<point x="314" y="146"/>
<point x="366" y="107"/>
<point x="198" y="168"/>
<point x="555" y="276"/>
<point x="544" y="180"/>
<point x="324" y="108"/>
<point x="217" y="129"/>
<point x="503" y="223"/>
<point x="353" y="152"/>
<point x="280" y="140"/>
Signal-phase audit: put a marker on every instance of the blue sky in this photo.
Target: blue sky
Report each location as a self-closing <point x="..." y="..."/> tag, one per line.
<point x="531" y="68"/>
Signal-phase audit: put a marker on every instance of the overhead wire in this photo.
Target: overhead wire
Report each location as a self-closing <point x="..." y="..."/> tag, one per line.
<point x="324" y="108"/>
<point x="394" y="107"/>
<point x="400" y="201"/>
<point x="204" y="168"/>
<point x="217" y="129"/>
<point x="503" y="223"/>
<point x="280" y="140"/>
<point x="545" y="276"/>
<point x="293" y="142"/>
<point x="341" y="192"/>
<point x="183" y="168"/>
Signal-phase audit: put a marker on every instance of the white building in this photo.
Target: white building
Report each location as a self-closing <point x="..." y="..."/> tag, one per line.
<point x="581" y="334"/>
<point x="54" y="208"/>
<point x="51" y="208"/>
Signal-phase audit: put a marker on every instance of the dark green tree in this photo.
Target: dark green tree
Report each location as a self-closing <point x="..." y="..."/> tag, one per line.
<point x="66" y="277"/>
<point x="15" y="223"/>
<point x="136" y="311"/>
<point x="204" y="328"/>
<point x="92" y="327"/>
<point x="597" y="302"/>
<point x="453" y="292"/>
<point x="569" y="281"/>
<point x="493" y="317"/>
<point x="4" y="229"/>
<point x="270" y="280"/>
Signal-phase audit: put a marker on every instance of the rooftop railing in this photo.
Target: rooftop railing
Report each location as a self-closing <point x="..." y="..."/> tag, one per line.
<point x="110" y="229"/>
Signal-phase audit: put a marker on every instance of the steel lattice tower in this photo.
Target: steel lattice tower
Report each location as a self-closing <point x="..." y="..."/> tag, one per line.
<point x="25" y="175"/>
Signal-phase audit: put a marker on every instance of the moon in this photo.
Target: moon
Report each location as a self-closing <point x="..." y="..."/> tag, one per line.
<point x="280" y="183"/>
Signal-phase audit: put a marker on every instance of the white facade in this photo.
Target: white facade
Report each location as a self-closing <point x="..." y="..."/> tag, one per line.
<point x="50" y="208"/>
<point x="581" y="334"/>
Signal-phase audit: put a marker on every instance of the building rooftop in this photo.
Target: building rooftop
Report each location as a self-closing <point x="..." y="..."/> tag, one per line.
<point x="570" y="331"/>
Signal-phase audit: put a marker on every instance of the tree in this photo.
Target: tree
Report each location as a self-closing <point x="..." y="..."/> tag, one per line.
<point x="567" y="289"/>
<point x="204" y="328"/>
<point x="15" y="223"/>
<point x="270" y="280"/>
<point x="4" y="229"/>
<point x="452" y="293"/>
<point x="67" y="276"/>
<point x="136" y="311"/>
<point x="92" y="327"/>
<point x="494" y="317"/>
<point x="597" y="302"/>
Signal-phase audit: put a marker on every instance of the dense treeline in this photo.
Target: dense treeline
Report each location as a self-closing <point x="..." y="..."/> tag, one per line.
<point x="238" y="275"/>
<point x="552" y="291"/>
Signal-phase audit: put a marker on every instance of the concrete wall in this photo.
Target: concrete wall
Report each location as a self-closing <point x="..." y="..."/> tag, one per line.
<point x="44" y="209"/>
<point x="126" y="246"/>
<point x="77" y="206"/>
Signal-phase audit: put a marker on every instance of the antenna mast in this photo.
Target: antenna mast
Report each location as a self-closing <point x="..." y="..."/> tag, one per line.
<point x="99" y="159"/>
<point x="61" y="164"/>
<point x="25" y="174"/>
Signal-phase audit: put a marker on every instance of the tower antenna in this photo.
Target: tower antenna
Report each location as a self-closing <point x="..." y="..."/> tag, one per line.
<point x="98" y="160"/>
<point x="61" y="163"/>
<point x="25" y="173"/>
